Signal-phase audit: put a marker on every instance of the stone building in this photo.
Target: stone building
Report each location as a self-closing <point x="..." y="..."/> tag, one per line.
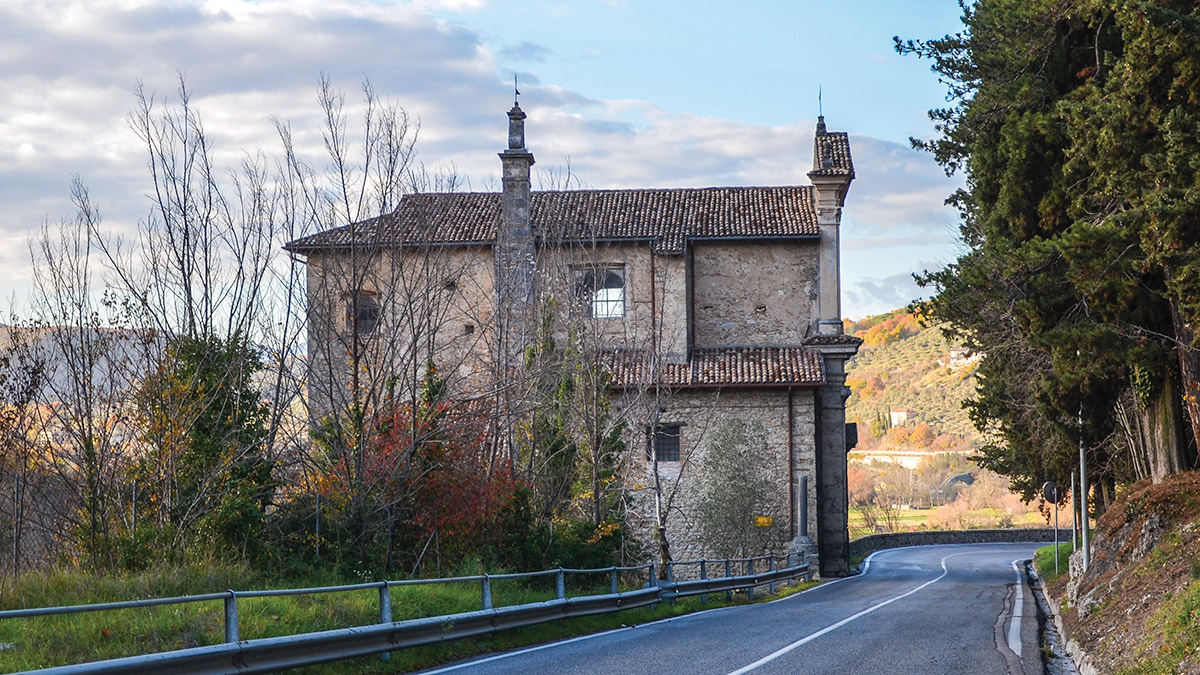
<point x="716" y="310"/>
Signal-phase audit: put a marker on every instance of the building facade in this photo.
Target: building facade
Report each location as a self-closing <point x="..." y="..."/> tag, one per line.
<point x="715" y="310"/>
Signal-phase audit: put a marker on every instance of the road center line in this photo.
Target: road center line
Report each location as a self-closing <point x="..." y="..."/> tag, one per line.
<point x="1014" y="627"/>
<point x="828" y="629"/>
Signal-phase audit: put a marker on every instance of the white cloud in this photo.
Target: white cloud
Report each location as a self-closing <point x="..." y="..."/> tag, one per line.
<point x="68" y="70"/>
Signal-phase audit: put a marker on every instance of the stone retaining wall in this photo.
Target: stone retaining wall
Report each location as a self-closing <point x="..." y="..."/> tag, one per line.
<point x="874" y="542"/>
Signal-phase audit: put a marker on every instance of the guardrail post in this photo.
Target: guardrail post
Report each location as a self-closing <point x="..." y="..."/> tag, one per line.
<point x="486" y="585"/>
<point x="670" y="572"/>
<point x="612" y="581"/>
<point x="703" y="575"/>
<point x="385" y="611"/>
<point x="231" y="618"/>
<point x="385" y="603"/>
<point x="750" y="572"/>
<point x="728" y="574"/>
<point x="771" y="568"/>
<point x="560" y="584"/>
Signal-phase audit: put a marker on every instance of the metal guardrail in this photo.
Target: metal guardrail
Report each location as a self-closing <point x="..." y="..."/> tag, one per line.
<point x="293" y="651"/>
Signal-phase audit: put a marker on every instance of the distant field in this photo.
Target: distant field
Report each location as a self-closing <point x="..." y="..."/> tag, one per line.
<point x="918" y="519"/>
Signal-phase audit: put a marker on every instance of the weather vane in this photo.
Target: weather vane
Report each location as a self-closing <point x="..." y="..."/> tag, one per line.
<point x="516" y="92"/>
<point x="820" y="110"/>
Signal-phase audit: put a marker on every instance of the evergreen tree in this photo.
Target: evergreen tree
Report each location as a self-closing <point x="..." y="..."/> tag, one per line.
<point x="212" y="481"/>
<point x="1073" y="122"/>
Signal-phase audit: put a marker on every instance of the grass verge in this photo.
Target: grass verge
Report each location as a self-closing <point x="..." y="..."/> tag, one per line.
<point x="42" y="642"/>
<point x="1044" y="560"/>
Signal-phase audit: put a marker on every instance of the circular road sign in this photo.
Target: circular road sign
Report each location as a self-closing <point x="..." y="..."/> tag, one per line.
<point x="1050" y="491"/>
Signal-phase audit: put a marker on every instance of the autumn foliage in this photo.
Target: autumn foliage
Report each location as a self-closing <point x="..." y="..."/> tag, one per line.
<point x="880" y="330"/>
<point x="454" y="492"/>
<point x="418" y="486"/>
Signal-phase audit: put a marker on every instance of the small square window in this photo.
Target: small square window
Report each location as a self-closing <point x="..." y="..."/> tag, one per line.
<point x="362" y="310"/>
<point x="664" y="442"/>
<point x="601" y="289"/>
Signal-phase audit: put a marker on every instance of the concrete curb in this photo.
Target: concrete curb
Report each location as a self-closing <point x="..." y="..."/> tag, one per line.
<point x="1084" y="663"/>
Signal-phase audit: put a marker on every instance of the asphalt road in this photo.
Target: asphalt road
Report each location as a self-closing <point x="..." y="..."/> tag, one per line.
<point x="928" y="609"/>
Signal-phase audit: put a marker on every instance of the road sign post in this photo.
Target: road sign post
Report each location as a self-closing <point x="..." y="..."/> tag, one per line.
<point x="1050" y="492"/>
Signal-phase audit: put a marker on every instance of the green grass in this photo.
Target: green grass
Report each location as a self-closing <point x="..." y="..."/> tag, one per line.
<point x="41" y="642"/>
<point x="1044" y="558"/>
<point x="1177" y="624"/>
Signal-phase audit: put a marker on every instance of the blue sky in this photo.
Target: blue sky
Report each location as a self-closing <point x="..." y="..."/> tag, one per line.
<point x="632" y="94"/>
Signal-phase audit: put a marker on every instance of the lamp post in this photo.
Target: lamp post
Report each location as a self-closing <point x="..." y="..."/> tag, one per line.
<point x="1083" y="503"/>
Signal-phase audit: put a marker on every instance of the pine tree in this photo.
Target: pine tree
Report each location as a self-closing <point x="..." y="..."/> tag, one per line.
<point x="1074" y="124"/>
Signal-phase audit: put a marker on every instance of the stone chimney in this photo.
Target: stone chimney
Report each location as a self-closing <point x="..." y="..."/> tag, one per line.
<point x="831" y="174"/>
<point x="514" y="240"/>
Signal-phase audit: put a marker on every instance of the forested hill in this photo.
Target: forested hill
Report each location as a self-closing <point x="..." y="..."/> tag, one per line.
<point x="904" y="365"/>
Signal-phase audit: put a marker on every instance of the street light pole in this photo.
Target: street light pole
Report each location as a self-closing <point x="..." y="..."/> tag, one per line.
<point x="1083" y="503"/>
<point x="1074" y="513"/>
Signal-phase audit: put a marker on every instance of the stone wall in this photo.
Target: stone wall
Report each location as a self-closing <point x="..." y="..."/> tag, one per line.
<point x="874" y="542"/>
<point x="763" y="414"/>
<point x="434" y="304"/>
<point x="749" y="293"/>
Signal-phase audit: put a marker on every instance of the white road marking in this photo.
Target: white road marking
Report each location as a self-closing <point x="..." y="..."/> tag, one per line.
<point x="828" y="629"/>
<point x="505" y="655"/>
<point x="1014" y="627"/>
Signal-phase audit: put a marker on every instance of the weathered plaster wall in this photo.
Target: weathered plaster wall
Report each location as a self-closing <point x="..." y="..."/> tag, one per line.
<point x="804" y="459"/>
<point x="749" y="293"/>
<point x="555" y="274"/>
<point x="435" y="303"/>
<point x="670" y="274"/>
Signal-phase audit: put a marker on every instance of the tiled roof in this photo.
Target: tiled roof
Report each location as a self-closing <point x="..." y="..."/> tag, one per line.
<point x="668" y="217"/>
<point x="721" y="366"/>
<point x="831" y="155"/>
<point x="840" y="339"/>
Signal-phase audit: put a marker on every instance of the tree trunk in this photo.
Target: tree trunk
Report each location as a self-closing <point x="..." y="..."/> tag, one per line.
<point x="1189" y="379"/>
<point x="1161" y="427"/>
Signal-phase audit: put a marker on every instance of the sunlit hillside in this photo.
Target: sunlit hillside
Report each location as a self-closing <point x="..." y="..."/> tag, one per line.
<point x="903" y="365"/>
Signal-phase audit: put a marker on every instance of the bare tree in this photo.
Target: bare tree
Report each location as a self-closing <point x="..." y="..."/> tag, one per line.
<point x="87" y="377"/>
<point x="22" y="473"/>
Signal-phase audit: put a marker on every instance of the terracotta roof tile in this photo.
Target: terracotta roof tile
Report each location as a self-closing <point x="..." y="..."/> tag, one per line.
<point x="668" y="217"/>
<point x="721" y="366"/>
<point x="831" y="155"/>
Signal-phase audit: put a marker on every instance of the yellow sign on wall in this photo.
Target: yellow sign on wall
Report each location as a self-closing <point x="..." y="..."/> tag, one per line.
<point x="764" y="521"/>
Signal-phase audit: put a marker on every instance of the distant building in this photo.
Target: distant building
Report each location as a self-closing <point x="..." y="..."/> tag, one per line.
<point x="898" y="417"/>
<point x="960" y="357"/>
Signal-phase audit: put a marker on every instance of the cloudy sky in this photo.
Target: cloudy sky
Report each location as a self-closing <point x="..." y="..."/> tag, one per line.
<point x="632" y="93"/>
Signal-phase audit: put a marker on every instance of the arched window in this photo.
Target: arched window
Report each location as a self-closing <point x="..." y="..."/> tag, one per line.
<point x="362" y="310"/>
<point x="601" y="290"/>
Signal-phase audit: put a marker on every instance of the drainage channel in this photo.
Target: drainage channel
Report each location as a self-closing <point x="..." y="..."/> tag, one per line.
<point x="1055" y="660"/>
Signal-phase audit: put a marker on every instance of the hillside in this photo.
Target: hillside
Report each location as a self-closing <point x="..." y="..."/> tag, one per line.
<point x="1137" y="609"/>
<point x="905" y="365"/>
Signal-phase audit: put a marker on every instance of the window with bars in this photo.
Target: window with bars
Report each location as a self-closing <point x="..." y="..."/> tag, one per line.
<point x="600" y="290"/>
<point x="664" y="443"/>
<point x="362" y="309"/>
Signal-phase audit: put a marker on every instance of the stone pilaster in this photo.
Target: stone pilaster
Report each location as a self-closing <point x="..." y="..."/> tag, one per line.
<point x="833" y="502"/>
<point x="830" y="183"/>
<point x="514" y="250"/>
